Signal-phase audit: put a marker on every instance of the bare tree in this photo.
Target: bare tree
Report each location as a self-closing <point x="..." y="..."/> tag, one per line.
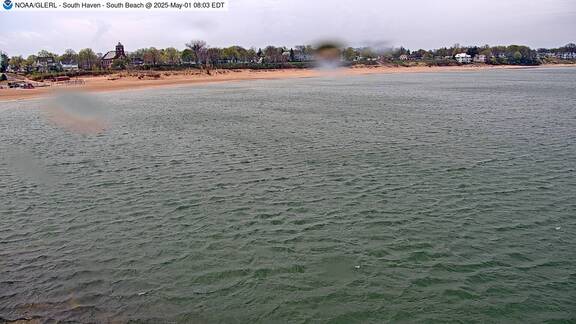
<point x="197" y="46"/>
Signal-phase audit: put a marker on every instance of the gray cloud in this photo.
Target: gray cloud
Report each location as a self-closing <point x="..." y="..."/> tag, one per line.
<point x="419" y="24"/>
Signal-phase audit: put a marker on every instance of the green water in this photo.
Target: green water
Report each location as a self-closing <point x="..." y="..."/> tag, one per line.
<point x="436" y="198"/>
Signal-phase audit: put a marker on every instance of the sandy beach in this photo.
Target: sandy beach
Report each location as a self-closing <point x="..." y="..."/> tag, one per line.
<point x="140" y="80"/>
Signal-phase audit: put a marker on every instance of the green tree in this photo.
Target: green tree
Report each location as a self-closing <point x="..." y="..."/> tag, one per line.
<point x="251" y="55"/>
<point x="487" y="52"/>
<point x="517" y="57"/>
<point x="349" y="54"/>
<point x="30" y="63"/>
<point x="171" y="56"/>
<point x="428" y="55"/>
<point x="473" y="51"/>
<point x="187" y="55"/>
<point x="16" y="63"/>
<point x="568" y="48"/>
<point x="3" y="62"/>
<point x="367" y="53"/>
<point x="87" y="59"/>
<point x="242" y="53"/>
<point x="230" y="53"/>
<point x="120" y="64"/>
<point x="69" y="57"/>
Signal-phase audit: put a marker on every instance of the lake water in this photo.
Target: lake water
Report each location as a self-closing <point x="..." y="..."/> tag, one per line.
<point x="434" y="197"/>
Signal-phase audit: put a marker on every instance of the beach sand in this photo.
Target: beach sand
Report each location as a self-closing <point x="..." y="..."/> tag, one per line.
<point x="141" y="80"/>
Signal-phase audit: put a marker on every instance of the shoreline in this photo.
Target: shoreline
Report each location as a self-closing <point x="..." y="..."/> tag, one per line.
<point x="125" y="81"/>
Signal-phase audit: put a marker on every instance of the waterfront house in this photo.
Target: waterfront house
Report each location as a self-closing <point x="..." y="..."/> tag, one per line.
<point x="302" y="57"/>
<point x="480" y="58"/>
<point x="11" y="69"/>
<point x="463" y="58"/>
<point x="109" y="58"/>
<point x="286" y="56"/>
<point x="46" y="64"/>
<point x="69" y="66"/>
<point x="567" y="56"/>
<point x="137" y="61"/>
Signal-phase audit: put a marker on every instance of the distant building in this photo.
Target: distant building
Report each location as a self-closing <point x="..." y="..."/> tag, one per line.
<point x="137" y="61"/>
<point x="109" y="58"/>
<point x="286" y="56"/>
<point x="463" y="58"/>
<point x="403" y="57"/>
<point x="303" y="57"/>
<point x="480" y="58"/>
<point x="46" y="64"/>
<point x="69" y="66"/>
<point x="567" y="56"/>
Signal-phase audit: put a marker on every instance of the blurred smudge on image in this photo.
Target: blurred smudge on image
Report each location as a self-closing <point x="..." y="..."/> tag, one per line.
<point x="77" y="112"/>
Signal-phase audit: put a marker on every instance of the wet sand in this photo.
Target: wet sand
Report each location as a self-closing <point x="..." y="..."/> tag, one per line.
<point x="131" y="81"/>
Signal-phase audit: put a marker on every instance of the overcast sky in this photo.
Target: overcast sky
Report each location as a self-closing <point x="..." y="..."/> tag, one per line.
<point x="413" y="24"/>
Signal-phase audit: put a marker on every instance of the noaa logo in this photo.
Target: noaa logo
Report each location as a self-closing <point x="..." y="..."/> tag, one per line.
<point x="7" y="4"/>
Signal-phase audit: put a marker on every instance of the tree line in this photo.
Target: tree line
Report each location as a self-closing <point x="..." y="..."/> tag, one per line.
<point x="199" y="53"/>
<point x="196" y="52"/>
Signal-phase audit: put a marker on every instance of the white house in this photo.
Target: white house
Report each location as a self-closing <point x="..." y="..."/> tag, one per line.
<point x="403" y="57"/>
<point x="463" y="58"/>
<point x="286" y="56"/>
<point x="479" y="58"/>
<point x="69" y="66"/>
<point x="568" y="56"/>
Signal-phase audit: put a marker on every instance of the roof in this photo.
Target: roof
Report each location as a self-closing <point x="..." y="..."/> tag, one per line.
<point x="109" y="56"/>
<point x="462" y="55"/>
